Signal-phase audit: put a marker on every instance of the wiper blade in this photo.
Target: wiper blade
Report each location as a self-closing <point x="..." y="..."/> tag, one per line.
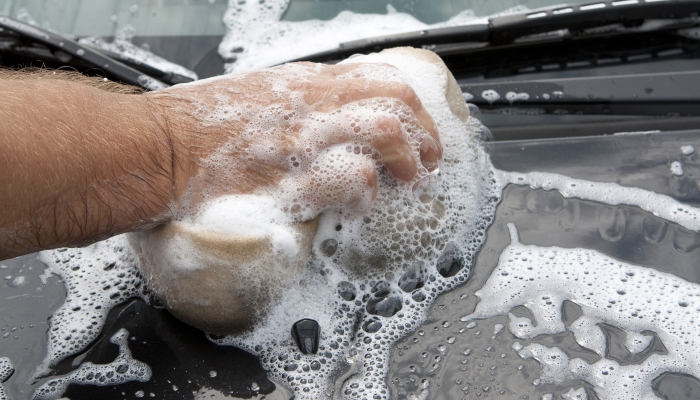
<point x="654" y="94"/>
<point x="169" y="77"/>
<point x="113" y="68"/>
<point x="506" y="29"/>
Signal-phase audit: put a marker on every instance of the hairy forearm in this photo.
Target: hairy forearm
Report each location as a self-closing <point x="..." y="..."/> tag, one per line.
<point x="78" y="164"/>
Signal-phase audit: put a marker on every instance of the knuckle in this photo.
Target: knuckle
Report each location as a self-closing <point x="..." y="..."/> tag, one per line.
<point x="390" y="126"/>
<point x="408" y="95"/>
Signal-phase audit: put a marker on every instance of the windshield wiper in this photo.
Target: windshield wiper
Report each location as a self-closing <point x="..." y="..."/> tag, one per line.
<point x="505" y="30"/>
<point x="63" y="47"/>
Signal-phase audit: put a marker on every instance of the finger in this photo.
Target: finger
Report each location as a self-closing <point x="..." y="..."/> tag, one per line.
<point x="398" y="90"/>
<point x="430" y="149"/>
<point x="320" y="70"/>
<point x="366" y="131"/>
<point x="336" y="179"/>
<point x="430" y="153"/>
<point x="330" y="95"/>
<point x="398" y="156"/>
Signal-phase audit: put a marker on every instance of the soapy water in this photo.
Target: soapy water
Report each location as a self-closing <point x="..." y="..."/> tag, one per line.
<point x="363" y="286"/>
<point x="6" y="370"/>
<point x="373" y="276"/>
<point x="123" y="369"/>
<point x="608" y="193"/>
<point x="466" y="357"/>
<point x="255" y="216"/>
<point x="491" y="96"/>
<point x="640" y="301"/>
<point x="97" y="278"/>
<point x="107" y="275"/>
<point x="257" y="38"/>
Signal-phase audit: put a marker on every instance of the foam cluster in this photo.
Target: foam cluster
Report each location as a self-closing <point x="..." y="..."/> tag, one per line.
<point x="638" y="300"/>
<point x="123" y="369"/>
<point x="254" y="216"/>
<point x="612" y="193"/>
<point x="97" y="278"/>
<point x="374" y="274"/>
<point x="6" y="370"/>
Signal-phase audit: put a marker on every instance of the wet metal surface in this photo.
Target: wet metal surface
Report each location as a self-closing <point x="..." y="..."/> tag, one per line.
<point x="453" y="359"/>
<point x="449" y="358"/>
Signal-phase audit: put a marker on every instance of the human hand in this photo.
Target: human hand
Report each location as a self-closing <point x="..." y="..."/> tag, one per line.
<point x="312" y="134"/>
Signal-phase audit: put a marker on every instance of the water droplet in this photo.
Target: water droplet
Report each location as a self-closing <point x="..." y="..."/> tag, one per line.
<point x="451" y="261"/>
<point x="413" y="278"/>
<point x="654" y="229"/>
<point x="347" y="291"/>
<point x="329" y="247"/>
<point x="372" y="326"/>
<point x="611" y="223"/>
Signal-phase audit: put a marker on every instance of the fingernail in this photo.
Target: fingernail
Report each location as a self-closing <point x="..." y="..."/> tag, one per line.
<point x="430" y="153"/>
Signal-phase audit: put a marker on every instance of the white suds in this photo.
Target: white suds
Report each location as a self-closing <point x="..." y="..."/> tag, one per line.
<point x="123" y="369"/>
<point x="126" y="50"/>
<point x="376" y="265"/>
<point x="575" y="394"/>
<point x="631" y="298"/>
<point x="677" y="168"/>
<point x="6" y="370"/>
<point x="491" y="96"/>
<point x="97" y="278"/>
<point x="249" y="215"/>
<point x="608" y="193"/>
<point x="687" y="150"/>
<point x="513" y="97"/>
<point x="44" y="277"/>
<point x="382" y="269"/>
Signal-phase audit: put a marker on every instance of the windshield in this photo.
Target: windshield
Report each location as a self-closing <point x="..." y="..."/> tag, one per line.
<point x="205" y="17"/>
<point x="211" y="37"/>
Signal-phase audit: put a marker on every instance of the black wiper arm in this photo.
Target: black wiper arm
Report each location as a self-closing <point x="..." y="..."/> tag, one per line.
<point x="506" y="29"/>
<point x="168" y="77"/>
<point x="115" y="69"/>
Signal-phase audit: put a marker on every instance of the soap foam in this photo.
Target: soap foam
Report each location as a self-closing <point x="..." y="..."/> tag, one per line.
<point x="609" y="193"/>
<point x="687" y="150"/>
<point x="325" y="157"/>
<point x="632" y="298"/>
<point x="123" y="369"/>
<point x="249" y="215"/>
<point x="316" y="296"/>
<point x="97" y="278"/>
<point x="6" y="370"/>
<point x="367" y="253"/>
<point x="374" y="275"/>
<point x="138" y="55"/>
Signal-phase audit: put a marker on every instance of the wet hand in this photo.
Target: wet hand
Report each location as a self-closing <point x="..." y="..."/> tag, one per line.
<point x="314" y="135"/>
